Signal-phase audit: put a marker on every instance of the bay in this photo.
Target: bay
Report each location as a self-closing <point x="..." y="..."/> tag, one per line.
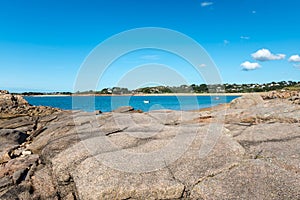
<point x="144" y="103"/>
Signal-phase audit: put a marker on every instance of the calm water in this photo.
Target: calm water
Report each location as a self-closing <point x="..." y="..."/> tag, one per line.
<point x="144" y="103"/>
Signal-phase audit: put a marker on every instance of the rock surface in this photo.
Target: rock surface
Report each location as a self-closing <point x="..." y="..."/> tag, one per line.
<point x="293" y="96"/>
<point x="246" y="101"/>
<point x="246" y="150"/>
<point x="123" y="109"/>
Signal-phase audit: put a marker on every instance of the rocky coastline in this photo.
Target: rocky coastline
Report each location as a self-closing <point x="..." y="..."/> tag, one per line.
<point x="248" y="149"/>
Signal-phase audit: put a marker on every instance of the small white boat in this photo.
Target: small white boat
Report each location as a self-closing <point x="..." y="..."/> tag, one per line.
<point x="146" y="101"/>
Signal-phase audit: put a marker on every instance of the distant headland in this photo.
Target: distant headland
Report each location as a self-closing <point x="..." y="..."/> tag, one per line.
<point x="201" y="89"/>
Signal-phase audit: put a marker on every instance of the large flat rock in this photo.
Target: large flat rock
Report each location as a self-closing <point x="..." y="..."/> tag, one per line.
<point x="96" y="181"/>
<point x="248" y="151"/>
<point x="160" y="163"/>
<point x="253" y="179"/>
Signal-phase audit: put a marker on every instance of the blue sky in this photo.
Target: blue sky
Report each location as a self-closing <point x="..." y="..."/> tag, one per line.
<point x="44" y="43"/>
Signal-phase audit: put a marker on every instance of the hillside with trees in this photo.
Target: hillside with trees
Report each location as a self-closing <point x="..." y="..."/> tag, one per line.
<point x="201" y="88"/>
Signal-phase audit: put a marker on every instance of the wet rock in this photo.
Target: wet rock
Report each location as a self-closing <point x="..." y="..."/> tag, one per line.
<point x="98" y="112"/>
<point x="124" y="109"/>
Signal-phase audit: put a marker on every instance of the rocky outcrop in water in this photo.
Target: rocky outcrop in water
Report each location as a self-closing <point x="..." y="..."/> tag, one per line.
<point x="12" y="106"/>
<point x="237" y="151"/>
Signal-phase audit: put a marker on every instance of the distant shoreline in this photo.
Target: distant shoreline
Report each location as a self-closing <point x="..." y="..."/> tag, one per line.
<point x="162" y="94"/>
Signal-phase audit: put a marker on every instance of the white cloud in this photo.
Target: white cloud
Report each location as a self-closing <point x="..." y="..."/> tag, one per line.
<point x="245" y="37"/>
<point x="226" y="42"/>
<point x="266" y="55"/>
<point x="294" y="58"/>
<point x="206" y="3"/>
<point x="249" y="66"/>
<point x="202" y="65"/>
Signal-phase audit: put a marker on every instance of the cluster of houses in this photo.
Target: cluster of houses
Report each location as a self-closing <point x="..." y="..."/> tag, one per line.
<point x="203" y="88"/>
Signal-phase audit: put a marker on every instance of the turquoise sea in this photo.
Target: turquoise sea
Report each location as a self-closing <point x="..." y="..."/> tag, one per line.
<point x="144" y="103"/>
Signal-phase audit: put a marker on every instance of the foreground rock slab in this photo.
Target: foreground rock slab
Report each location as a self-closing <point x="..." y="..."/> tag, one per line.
<point x="245" y="150"/>
<point x="252" y="179"/>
